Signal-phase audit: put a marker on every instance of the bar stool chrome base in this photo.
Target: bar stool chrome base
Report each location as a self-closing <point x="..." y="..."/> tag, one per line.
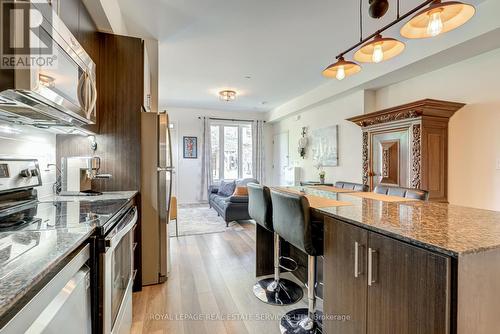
<point x="285" y="292"/>
<point x="297" y="322"/>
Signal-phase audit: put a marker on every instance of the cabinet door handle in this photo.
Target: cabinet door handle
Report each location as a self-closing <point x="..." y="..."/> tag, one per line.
<point x="370" y="266"/>
<point x="356" y="260"/>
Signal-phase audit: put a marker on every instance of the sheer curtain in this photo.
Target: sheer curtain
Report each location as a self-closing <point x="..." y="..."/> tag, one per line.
<point x="258" y="150"/>
<point x="206" y="171"/>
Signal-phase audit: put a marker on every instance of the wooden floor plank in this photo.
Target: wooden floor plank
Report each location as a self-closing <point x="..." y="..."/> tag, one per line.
<point x="211" y="279"/>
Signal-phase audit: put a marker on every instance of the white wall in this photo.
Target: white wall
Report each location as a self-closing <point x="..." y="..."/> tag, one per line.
<point x="27" y="142"/>
<point x="188" y="171"/>
<point x="474" y="131"/>
<point x="349" y="137"/>
<point x="474" y="134"/>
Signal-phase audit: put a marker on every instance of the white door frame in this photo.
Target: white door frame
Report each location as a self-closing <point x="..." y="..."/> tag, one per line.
<point x="277" y="159"/>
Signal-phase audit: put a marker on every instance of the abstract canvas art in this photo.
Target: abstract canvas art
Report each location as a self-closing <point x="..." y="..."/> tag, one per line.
<point x="324" y="146"/>
<point x="190" y="147"/>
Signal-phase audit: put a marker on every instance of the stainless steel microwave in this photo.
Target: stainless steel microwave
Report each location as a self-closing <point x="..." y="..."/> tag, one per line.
<point x="43" y="93"/>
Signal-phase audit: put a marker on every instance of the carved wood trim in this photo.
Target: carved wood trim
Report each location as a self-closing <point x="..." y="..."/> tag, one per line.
<point x="416" y="158"/>
<point x="385" y="162"/>
<point x="428" y="107"/>
<point x="365" y="157"/>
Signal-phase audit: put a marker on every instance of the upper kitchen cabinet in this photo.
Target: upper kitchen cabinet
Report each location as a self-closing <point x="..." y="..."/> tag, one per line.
<point x="76" y="17"/>
<point x="150" y="63"/>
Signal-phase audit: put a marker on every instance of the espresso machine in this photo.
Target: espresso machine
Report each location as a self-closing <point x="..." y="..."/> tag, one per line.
<point x="77" y="174"/>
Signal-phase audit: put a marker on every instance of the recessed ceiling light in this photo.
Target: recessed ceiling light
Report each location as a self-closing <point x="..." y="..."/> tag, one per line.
<point x="227" y="95"/>
<point x="248" y="77"/>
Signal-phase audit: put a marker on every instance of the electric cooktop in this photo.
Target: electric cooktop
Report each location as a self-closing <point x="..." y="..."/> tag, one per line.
<point x="54" y="215"/>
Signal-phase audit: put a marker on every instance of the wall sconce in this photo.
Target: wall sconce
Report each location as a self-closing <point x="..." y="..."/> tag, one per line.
<point x="303" y="143"/>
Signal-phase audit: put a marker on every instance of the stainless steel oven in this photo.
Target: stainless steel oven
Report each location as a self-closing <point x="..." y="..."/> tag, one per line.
<point x="117" y="275"/>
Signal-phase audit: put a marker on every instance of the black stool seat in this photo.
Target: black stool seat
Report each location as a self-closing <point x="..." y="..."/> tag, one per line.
<point x="292" y="221"/>
<point x="275" y="290"/>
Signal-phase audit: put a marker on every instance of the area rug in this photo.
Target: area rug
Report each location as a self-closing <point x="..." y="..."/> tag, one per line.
<point x="199" y="219"/>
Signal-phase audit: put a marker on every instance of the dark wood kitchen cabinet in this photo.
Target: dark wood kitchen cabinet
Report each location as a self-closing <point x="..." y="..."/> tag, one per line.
<point x="345" y="285"/>
<point x="385" y="286"/>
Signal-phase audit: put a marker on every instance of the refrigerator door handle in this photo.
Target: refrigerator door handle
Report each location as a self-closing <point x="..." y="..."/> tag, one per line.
<point x="164" y="169"/>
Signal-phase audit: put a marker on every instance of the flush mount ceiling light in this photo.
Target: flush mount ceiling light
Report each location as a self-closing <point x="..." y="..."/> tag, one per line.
<point x="227" y="95"/>
<point x="438" y="18"/>
<point x="379" y="49"/>
<point x="341" y="69"/>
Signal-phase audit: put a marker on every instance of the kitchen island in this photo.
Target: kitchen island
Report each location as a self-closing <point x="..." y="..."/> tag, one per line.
<point x="406" y="266"/>
<point x="33" y="253"/>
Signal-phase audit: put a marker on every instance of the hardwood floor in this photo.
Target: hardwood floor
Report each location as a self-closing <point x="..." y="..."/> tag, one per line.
<point x="209" y="289"/>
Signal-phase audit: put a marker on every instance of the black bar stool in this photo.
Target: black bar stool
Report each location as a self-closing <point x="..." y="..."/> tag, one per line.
<point x="276" y="290"/>
<point x="292" y="221"/>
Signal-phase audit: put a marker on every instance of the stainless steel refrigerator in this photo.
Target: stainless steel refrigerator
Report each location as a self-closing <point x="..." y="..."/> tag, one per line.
<point x="156" y="192"/>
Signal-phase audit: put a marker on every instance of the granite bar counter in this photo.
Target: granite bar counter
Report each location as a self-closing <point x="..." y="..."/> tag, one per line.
<point x="436" y="263"/>
<point x="32" y="251"/>
<point x="449" y="229"/>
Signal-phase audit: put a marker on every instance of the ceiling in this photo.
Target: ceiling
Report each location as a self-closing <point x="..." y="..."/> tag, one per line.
<point x="268" y="51"/>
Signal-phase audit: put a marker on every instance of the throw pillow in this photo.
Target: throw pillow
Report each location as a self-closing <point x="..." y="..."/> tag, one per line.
<point x="240" y="191"/>
<point x="226" y="188"/>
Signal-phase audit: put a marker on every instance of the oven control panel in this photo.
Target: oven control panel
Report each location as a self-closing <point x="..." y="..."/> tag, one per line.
<point x="18" y="174"/>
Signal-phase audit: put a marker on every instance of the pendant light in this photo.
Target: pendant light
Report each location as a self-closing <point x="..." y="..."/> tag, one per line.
<point x="341" y="69"/>
<point x="379" y="49"/>
<point x="438" y="18"/>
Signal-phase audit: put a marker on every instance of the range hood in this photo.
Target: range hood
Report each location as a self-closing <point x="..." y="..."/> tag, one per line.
<point x="37" y="114"/>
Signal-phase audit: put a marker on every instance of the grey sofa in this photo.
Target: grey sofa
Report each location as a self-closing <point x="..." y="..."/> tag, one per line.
<point x="228" y="206"/>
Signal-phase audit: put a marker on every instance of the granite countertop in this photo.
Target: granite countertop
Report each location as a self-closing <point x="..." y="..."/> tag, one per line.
<point x="40" y="252"/>
<point x="28" y="254"/>
<point x="111" y="195"/>
<point x="449" y="229"/>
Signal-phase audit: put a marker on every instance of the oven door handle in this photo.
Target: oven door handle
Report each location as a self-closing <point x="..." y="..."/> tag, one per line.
<point x="113" y="241"/>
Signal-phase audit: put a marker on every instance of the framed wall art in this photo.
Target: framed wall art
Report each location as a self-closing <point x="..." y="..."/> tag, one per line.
<point x="190" y="147"/>
<point x="324" y="144"/>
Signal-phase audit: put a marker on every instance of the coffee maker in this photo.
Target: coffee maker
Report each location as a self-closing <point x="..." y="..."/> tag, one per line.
<point x="77" y="174"/>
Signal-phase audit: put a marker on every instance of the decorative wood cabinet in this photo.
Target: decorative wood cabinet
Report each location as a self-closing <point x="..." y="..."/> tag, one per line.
<point x="407" y="146"/>
<point x="377" y="285"/>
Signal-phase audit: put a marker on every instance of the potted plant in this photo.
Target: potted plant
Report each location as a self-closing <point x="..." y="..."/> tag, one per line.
<point x="322" y="176"/>
<point x="322" y="172"/>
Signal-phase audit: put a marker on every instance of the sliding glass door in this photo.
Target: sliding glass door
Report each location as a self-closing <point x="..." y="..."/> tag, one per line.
<point x="232" y="151"/>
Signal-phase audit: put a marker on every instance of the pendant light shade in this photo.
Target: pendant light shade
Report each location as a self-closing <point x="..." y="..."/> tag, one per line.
<point x="379" y="49"/>
<point x="438" y="18"/>
<point x="341" y="69"/>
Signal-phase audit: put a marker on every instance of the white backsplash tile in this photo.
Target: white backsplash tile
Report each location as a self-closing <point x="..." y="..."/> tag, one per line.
<point x="28" y="142"/>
